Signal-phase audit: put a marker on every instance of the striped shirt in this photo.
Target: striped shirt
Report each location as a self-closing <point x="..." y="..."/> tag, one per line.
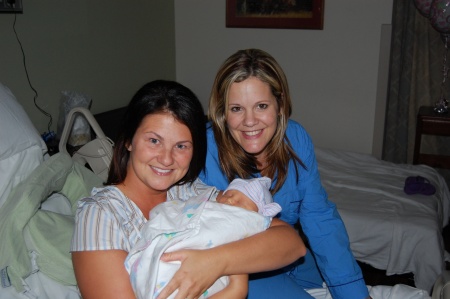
<point x="108" y="220"/>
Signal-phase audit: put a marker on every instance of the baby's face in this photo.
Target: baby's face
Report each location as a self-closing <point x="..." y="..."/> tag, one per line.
<point x="238" y="199"/>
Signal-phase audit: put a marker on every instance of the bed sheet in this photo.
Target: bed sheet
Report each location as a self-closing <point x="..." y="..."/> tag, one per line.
<point x="35" y="240"/>
<point x="40" y="286"/>
<point x="398" y="291"/>
<point x="388" y="229"/>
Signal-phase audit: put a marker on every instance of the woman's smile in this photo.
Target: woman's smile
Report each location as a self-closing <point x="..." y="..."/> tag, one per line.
<point x="252" y="133"/>
<point x="160" y="171"/>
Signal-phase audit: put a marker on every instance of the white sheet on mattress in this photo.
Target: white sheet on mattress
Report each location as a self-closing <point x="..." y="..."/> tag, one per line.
<point x="388" y="229"/>
<point x="399" y="291"/>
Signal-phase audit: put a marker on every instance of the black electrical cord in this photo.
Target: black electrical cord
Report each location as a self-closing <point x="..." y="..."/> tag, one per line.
<point x="28" y="78"/>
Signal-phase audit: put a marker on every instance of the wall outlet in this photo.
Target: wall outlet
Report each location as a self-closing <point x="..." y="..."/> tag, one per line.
<point x="11" y="6"/>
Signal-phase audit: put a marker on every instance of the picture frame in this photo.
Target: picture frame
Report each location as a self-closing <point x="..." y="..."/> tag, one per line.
<point x="283" y="14"/>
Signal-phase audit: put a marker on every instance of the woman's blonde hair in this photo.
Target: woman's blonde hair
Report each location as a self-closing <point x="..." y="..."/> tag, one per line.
<point x="234" y="161"/>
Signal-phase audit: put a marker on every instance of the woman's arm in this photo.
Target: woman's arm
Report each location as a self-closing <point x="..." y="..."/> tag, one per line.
<point x="237" y="289"/>
<point x="278" y="246"/>
<point x="102" y="274"/>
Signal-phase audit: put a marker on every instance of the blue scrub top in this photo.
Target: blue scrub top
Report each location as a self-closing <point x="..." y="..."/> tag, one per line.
<point x="306" y="200"/>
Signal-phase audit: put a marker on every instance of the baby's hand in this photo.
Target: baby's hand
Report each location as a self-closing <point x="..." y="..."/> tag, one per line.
<point x="238" y="199"/>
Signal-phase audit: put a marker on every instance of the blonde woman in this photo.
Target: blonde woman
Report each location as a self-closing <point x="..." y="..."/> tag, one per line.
<point x="251" y="135"/>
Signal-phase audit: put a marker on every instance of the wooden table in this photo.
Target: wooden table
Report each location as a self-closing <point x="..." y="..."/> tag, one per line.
<point x="431" y="123"/>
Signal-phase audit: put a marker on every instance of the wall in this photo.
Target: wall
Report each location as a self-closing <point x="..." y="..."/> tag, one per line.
<point x="333" y="73"/>
<point x="106" y="49"/>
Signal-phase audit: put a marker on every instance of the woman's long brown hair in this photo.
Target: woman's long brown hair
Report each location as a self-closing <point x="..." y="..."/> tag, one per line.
<point x="235" y="162"/>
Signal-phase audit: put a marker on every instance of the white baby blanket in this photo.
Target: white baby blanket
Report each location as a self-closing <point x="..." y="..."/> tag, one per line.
<point x="193" y="224"/>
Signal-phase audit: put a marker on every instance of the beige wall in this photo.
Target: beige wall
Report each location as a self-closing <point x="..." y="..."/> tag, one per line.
<point x="106" y="49"/>
<point x="333" y="73"/>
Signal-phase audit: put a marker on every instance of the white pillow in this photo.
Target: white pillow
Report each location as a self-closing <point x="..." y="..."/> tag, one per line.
<point x="21" y="147"/>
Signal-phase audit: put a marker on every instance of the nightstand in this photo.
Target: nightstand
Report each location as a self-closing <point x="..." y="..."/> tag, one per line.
<point x="431" y="123"/>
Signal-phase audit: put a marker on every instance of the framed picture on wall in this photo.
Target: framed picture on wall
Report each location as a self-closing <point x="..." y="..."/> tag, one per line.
<point x="287" y="14"/>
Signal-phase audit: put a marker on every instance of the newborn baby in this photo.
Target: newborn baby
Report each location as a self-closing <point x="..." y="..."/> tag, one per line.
<point x="198" y="223"/>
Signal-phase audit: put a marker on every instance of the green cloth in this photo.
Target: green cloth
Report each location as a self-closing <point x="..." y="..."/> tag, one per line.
<point x="47" y="233"/>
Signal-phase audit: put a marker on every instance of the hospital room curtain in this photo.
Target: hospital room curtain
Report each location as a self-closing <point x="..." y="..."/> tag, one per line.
<point x="415" y="78"/>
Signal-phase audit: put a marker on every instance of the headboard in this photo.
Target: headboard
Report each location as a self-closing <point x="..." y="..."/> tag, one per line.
<point x="110" y="121"/>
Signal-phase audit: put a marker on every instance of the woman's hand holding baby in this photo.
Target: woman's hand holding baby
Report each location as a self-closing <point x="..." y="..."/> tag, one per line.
<point x="191" y="280"/>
